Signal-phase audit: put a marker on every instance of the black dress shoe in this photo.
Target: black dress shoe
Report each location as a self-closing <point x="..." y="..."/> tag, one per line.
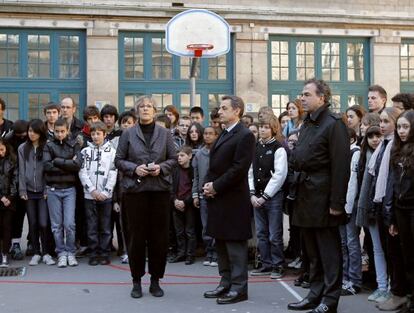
<point x="303" y="305"/>
<point x="216" y="293"/>
<point x="232" y="297"/>
<point x="136" y="291"/>
<point x="323" y="308"/>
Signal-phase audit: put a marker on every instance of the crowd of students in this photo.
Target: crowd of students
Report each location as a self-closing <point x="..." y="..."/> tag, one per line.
<point x="64" y="173"/>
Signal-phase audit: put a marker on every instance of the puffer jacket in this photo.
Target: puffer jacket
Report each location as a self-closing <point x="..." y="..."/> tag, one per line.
<point x="8" y="181"/>
<point x="62" y="161"/>
<point x="98" y="170"/>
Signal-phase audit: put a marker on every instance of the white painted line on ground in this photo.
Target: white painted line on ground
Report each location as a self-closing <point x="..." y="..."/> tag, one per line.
<point x="293" y="292"/>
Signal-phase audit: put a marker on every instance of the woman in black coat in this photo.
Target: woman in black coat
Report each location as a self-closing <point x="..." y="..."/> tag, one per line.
<point x="146" y="156"/>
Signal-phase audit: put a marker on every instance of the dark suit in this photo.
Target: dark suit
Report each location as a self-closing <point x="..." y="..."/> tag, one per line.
<point x="229" y="211"/>
<point x="321" y="162"/>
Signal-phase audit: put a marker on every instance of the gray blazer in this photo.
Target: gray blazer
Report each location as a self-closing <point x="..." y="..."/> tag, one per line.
<point x="132" y="152"/>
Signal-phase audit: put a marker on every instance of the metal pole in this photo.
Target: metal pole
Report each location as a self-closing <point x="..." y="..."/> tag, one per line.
<point x="193" y="81"/>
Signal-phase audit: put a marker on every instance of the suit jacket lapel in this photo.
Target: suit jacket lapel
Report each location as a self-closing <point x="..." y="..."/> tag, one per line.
<point x="228" y="136"/>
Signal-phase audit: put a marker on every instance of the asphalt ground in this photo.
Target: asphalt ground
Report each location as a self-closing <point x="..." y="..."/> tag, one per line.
<point x="48" y="289"/>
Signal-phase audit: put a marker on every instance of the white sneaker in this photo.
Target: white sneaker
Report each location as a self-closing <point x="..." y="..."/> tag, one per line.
<point x="48" y="260"/>
<point x="72" y="260"/>
<point x="62" y="261"/>
<point x="35" y="260"/>
<point x="207" y="262"/>
<point x="294" y="263"/>
<point x="124" y="259"/>
<point x="4" y="261"/>
<point x="213" y="263"/>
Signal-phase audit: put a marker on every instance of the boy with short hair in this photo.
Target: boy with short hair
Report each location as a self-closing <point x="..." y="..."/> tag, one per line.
<point x="91" y="115"/>
<point x="197" y="115"/>
<point x="51" y="112"/>
<point x="183" y="124"/>
<point x="62" y="161"/>
<point x="183" y="212"/>
<point x="200" y="164"/>
<point x="98" y="177"/>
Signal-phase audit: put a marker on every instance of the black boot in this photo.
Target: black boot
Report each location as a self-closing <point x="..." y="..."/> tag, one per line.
<point x="155" y="288"/>
<point x="136" y="291"/>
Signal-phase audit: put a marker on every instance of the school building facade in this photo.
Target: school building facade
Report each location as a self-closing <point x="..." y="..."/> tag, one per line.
<point x="108" y="51"/>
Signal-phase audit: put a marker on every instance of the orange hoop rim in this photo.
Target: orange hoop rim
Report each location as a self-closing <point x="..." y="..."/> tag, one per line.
<point x="200" y="46"/>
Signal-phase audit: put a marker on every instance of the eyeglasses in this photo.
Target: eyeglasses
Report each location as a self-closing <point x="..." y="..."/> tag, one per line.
<point x="145" y="106"/>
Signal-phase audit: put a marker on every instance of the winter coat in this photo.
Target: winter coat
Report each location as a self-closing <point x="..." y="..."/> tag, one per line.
<point x="98" y="170"/>
<point x="62" y="161"/>
<point x="364" y="200"/>
<point x="352" y="191"/>
<point x="321" y="159"/>
<point x="200" y="164"/>
<point x="229" y="211"/>
<point x="8" y="182"/>
<point x="133" y="151"/>
<point x="269" y="169"/>
<point x="31" y="175"/>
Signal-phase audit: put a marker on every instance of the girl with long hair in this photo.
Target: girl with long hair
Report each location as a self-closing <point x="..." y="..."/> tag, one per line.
<point x="32" y="191"/>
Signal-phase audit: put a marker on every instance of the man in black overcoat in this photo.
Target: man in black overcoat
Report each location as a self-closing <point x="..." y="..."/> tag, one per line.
<point x="321" y="162"/>
<point x="228" y="201"/>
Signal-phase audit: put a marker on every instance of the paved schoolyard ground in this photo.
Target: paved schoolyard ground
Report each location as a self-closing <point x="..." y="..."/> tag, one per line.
<point x="46" y="289"/>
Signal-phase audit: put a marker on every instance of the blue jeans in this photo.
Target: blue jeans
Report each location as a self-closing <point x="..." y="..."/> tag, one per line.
<point x="269" y="230"/>
<point x="351" y="251"/>
<point x="61" y="203"/>
<point x="379" y="257"/>
<point x="209" y="242"/>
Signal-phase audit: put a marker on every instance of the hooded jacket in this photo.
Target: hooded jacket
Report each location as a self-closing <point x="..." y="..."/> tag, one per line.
<point x="98" y="170"/>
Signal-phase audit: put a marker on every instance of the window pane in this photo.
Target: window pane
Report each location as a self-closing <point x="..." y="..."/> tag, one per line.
<point x="9" y="55"/>
<point x="185" y="103"/>
<point x="355" y="61"/>
<point x="160" y="59"/>
<point x="305" y="60"/>
<point x="280" y="60"/>
<point x="162" y="100"/>
<point x="130" y="99"/>
<point x="336" y="103"/>
<point x="39" y="56"/>
<point x="330" y="61"/>
<point x="214" y="101"/>
<point x="279" y="103"/>
<point x="217" y="68"/>
<point x="134" y="57"/>
<point x="355" y="100"/>
<point x="12" y="105"/>
<point x="36" y="103"/>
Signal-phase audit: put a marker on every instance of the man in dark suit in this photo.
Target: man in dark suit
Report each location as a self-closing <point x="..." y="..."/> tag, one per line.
<point x="227" y="194"/>
<point x="321" y="164"/>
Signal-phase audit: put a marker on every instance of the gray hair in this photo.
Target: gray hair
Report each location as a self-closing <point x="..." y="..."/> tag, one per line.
<point x="141" y="100"/>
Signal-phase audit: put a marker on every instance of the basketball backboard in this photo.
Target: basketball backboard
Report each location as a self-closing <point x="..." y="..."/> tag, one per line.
<point x="197" y="27"/>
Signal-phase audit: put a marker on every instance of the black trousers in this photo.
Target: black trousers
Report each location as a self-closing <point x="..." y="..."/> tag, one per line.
<point x="232" y="264"/>
<point x="98" y="217"/>
<point x="405" y="222"/>
<point x="148" y="219"/>
<point x="184" y="223"/>
<point x="80" y="217"/>
<point x="323" y="250"/>
<point x="39" y="226"/>
<point x="18" y="218"/>
<point x="395" y="261"/>
<point x="5" y="228"/>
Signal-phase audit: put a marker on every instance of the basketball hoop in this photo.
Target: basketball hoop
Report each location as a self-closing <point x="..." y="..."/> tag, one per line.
<point x="198" y="48"/>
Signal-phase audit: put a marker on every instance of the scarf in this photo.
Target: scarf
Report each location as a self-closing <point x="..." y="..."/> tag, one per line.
<point x="381" y="183"/>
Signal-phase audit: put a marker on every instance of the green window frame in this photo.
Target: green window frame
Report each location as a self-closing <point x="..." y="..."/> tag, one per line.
<point x="342" y="62"/>
<point x="47" y="64"/>
<point x="407" y="65"/>
<point x="145" y="67"/>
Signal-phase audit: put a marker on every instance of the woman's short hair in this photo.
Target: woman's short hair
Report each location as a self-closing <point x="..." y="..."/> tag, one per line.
<point x="141" y="100"/>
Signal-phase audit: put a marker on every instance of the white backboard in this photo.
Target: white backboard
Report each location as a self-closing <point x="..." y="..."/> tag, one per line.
<point x="197" y="26"/>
